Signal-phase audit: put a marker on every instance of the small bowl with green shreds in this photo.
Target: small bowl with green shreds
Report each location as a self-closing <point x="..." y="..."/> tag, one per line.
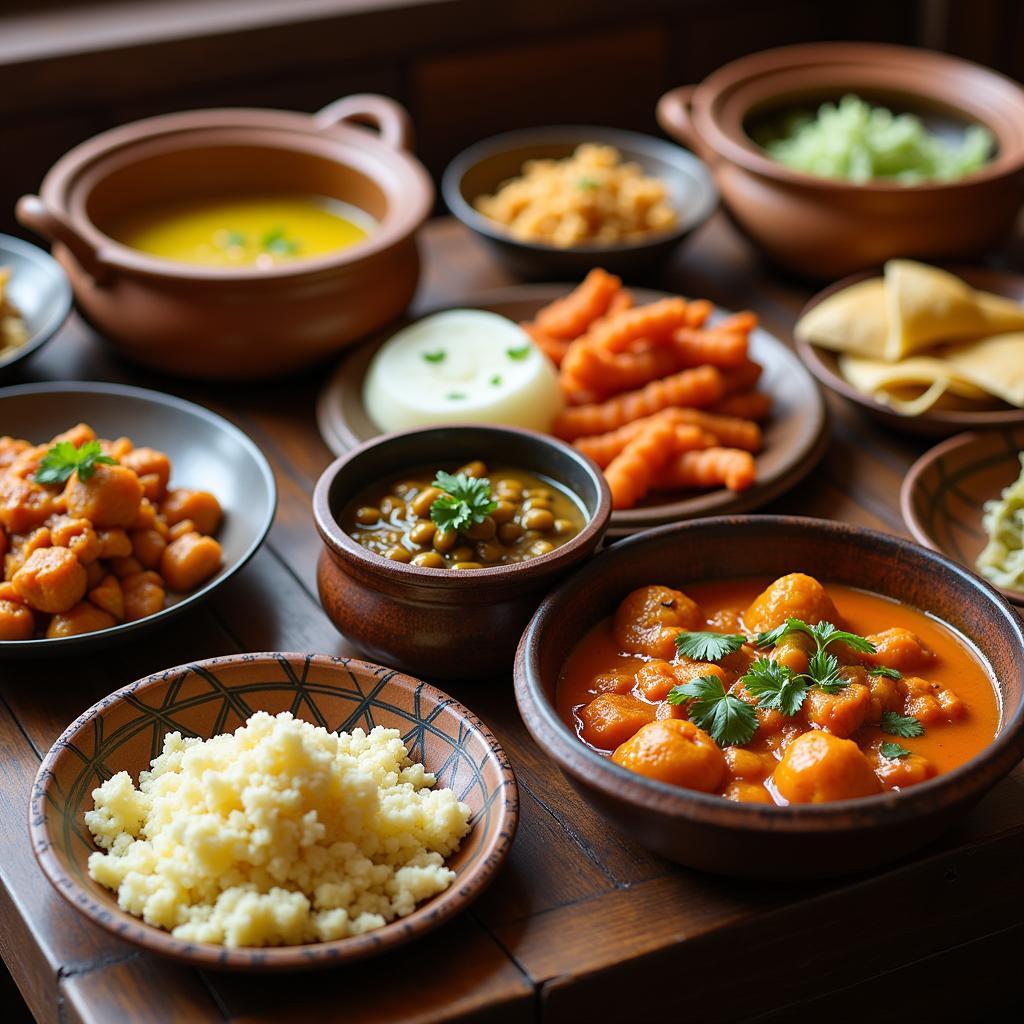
<point x="856" y="141"/>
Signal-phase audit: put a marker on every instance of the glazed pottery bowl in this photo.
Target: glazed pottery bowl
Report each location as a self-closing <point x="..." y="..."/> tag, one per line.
<point x="481" y="169"/>
<point x="753" y="840"/>
<point x="206" y="452"/>
<point x="447" y="624"/>
<point x="39" y="290"/>
<point x="238" y="323"/>
<point x="940" y="420"/>
<point x="824" y="228"/>
<point x="943" y="496"/>
<point x="124" y="731"/>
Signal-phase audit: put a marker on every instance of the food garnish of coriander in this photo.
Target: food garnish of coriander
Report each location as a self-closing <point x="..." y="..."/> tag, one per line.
<point x="64" y="458"/>
<point x="731" y="721"/>
<point x="466" y="500"/>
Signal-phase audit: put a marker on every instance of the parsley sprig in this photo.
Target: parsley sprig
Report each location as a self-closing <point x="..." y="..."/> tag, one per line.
<point x="728" y="720"/>
<point x="709" y="646"/>
<point x="64" y="458"/>
<point x="466" y="500"/>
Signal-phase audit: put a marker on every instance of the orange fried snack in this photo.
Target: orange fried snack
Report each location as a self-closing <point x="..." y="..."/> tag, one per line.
<point x="554" y="348"/>
<point x="654" y="323"/>
<point x="748" y="405"/>
<point x="569" y="317"/>
<point x="603" y="448"/>
<point x="711" y="467"/>
<point x="716" y="346"/>
<point x="632" y="472"/>
<point x="696" y="388"/>
<point x="741" y="378"/>
<point x="606" y="373"/>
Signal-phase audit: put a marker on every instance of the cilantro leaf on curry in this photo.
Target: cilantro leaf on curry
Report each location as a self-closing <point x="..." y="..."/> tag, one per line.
<point x="904" y="726"/>
<point x="709" y="646"/>
<point x="778" y="687"/>
<point x="466" y="500"/>
<point x="893" y="751"/>
<point x="64" y="458"/>
<point x="728" y="720"/>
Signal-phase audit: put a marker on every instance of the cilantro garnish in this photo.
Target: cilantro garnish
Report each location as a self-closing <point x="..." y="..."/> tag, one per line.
<point x="466" y="500"/>
<point x="434" y="357"/>
<point x="728" y="720"/>
<point x="234" y="240"/>
<point x="455" y="396"/>
<point x="893" y="751"/>
<point x="496" y="381"/>
<point x="518" y="353"/>
<point x="709" y="646"/>
<point x="882" y="670"/>
<point x="64" y="458"/>
<point x="904" y="726"/>
<point x="823" y="634"/>
<point x="277" y="243"/>
<point x="778" y="687"/>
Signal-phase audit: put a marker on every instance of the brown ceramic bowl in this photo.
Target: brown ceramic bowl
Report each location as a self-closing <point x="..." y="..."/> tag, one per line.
<point x="227" y="323"/>
<point x="796" y="842"/>
<point x="482" y="168"/>
<point x="436" y="622"/>
<point x="125" y="730"/>
<point x="943" y="495"/>
<point x="936" y="422"/>
<point x="824" y="228"/>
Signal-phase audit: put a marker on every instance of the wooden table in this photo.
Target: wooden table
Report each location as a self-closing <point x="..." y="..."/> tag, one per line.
<point x="581" y="924"/>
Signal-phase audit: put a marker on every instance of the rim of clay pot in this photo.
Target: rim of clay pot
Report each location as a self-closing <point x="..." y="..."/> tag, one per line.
<point x="618" y="783"/>
<point x="66" y="188"/>
<point x="725" y="99"/>
<point x="342" y="545"/>
<point x="705" y="191"/>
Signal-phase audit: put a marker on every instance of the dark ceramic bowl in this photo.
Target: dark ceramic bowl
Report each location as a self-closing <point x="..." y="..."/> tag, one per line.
<point x="123" y="731"/>
<point x="482" y="168"/>
<point x="41" y="292"/>
<point x="796" y="842"/>
<point x="436" y="622"/>
<point x="936" y="422"/>
<point x="943" y="496"/>
<point x="205" y="451"/>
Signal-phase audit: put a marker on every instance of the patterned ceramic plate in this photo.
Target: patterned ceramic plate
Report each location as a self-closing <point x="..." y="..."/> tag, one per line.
<point x="943" y="495"/>
<point x="124" y="731"/>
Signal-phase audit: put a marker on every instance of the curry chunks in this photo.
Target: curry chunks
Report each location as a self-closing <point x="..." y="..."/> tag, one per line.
<point x="92" y="535"/>
<point x="756" y="709"/>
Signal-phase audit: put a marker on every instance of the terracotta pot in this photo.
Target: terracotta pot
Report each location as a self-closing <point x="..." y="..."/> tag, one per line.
<point x="228" y="323"/>
<point x="754" y="840"/>
<point x="825" y="228"/>
<point x="439" y="623"/>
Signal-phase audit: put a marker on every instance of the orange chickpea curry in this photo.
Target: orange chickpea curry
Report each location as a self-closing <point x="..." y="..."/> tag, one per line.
<point x="91" y="536"/>
<point x="794" y="693"/>
<point x="459" y="521"/>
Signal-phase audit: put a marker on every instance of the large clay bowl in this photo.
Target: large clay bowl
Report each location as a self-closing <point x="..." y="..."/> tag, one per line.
<point x="940" y="421"/>
<point x="823" y="228"/>
<point x="481" y="169"/>
<point x="238" y="323"/>
<point x="124" y="731"/>
<point x="943" y="496"/>
<point x="795" y="842"/>
<point x="40" y="292"/>
<point x="441" y="623"/>
<point x="206" y="451"/>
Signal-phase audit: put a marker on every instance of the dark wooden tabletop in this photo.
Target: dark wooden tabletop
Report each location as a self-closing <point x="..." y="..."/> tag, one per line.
<point x="581" y="923"/>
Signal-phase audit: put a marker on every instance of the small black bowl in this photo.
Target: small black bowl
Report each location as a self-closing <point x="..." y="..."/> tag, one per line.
<point x="41" y="292"/>
<point x="482" y="168"/>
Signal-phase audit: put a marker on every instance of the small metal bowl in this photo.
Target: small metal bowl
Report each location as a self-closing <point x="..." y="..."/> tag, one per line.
<point x="482" y="168"/>
<point x="40" y="291"/>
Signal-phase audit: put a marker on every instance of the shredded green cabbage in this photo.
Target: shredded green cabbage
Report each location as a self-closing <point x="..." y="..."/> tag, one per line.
<point x="855" y="141"/>
<point x="1002" y="561"/>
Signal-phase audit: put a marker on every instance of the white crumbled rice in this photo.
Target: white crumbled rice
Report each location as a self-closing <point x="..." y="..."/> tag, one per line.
<point x="276" y="834"/>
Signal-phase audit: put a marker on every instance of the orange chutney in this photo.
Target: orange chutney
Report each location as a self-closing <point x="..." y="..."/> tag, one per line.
<point x="613" y="689"/>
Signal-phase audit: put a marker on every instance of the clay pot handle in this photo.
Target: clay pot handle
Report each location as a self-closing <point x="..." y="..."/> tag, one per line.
<point x="387" y="116"/>
<point x="55" y="227"/>
<point x="674" y="116"/>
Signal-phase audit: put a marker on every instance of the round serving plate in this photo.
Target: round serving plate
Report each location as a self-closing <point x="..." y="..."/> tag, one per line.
<point x="795" y="437"/>
<point x="824" y="364"/>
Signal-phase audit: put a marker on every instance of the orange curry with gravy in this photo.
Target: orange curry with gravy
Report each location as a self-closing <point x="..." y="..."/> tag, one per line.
<point x="905" y="699"/>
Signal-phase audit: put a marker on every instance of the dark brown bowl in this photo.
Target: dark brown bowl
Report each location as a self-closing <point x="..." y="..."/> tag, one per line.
<point x="482" y="168"/>
<point x="824" y="364"/>
<point x="824" y="228"/>
<point x="435" y="622"/>
<point x="124" y="731"/>
<point x="798" y="842"/>
<point x="943" y="495"/>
